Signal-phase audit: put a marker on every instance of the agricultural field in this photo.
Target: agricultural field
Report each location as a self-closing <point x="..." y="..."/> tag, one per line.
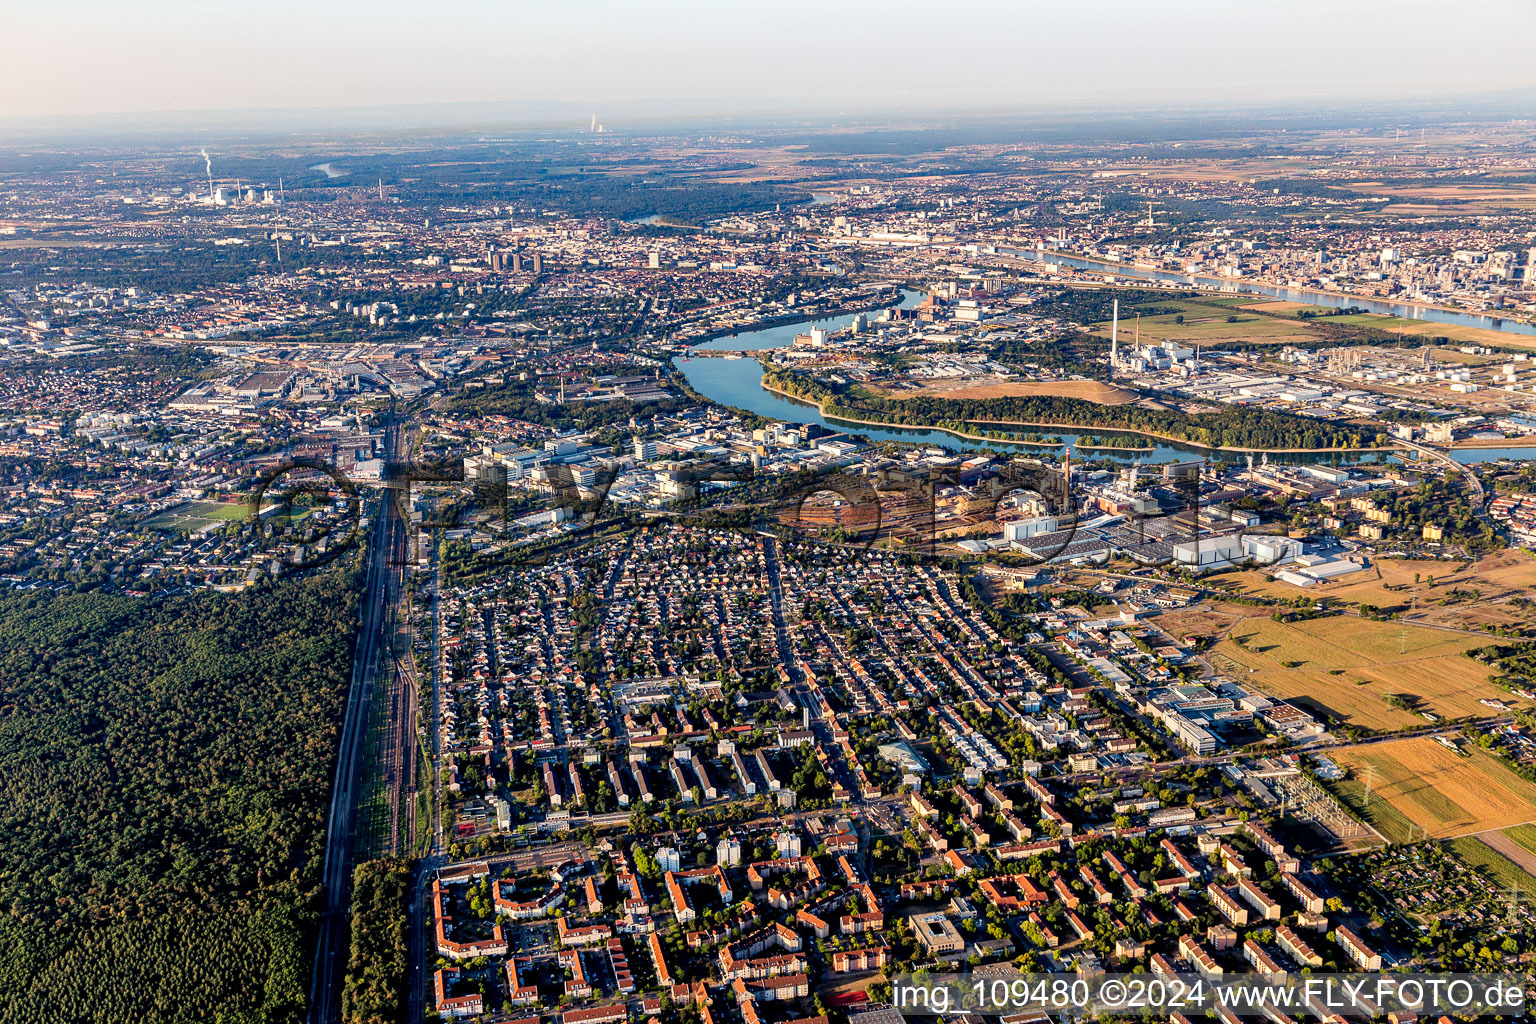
<point x="1509" y="849"/>
<point x="1461" y="594"/>
<point x="1349" y="666"/>
<point x="1460" y="199"/>
<point x="1420" y="787"/>
<point x="1478" y="853"/>
<point x="1434" y="329"/>
<point x="196" y="515"/>
<point x="1280" y="306"/>
<point x="1206" y="323"/>
<point x="1087" y="390"/>
<point x="1207" y="618"/>
<point x="1524" y="836"/>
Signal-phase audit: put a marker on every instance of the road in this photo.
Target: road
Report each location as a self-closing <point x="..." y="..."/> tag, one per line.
<point x="331" y="947"/>
<point x="776" y="592"/>
<point x="1474" y="486"/>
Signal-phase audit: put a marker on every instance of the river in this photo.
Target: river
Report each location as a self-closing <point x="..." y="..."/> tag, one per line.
<point x="739" y="383"/>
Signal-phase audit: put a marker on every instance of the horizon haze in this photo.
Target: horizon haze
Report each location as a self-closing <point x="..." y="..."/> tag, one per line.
<point x="196" y="57"/>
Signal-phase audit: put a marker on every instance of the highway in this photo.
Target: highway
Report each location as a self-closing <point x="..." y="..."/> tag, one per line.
<point x="331" y="947"/>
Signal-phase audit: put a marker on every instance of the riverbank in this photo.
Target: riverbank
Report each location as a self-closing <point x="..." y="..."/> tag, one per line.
<point x="1172" y="439"/>
<point x="1069" y="427"/>
<point x="1494" y="442"/>
<point x="784" y="321"/>
<point x="899" y="426"/>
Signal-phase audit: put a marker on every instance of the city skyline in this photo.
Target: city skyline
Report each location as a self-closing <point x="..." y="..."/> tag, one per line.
<point x="688" y="514"/>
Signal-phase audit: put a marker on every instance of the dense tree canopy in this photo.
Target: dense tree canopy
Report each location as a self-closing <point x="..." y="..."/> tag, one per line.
<point x="374" y="991"/>
<point x="164" y="769"/>
<point x="1235" y="426"/>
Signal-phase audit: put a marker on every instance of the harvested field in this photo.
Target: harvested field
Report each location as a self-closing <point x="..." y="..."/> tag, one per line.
<point x="1420" y="784"/>
<point x="1431" y="591"/>
<point x="1348" y="667"/>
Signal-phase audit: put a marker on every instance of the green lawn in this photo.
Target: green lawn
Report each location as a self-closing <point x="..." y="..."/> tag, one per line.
<point x="1206" y="322"/>
<point x="1525" y="835"/>
<point x="1379" y="814"/>
<point x="194" y="515"/>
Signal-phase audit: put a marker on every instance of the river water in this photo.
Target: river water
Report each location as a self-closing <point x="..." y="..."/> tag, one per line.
<point x="739" y="383"/>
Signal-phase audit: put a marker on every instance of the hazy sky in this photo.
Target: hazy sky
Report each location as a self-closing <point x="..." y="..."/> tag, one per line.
<point x="104" y="56"/>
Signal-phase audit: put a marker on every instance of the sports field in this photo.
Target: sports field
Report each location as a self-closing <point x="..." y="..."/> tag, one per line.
<point x="1349" y="665"/>
<point x="1419" y="788"/>
<point x="195" y="515"/>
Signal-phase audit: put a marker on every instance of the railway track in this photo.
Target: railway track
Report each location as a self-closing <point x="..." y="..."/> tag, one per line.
<point x="383" y="580"/>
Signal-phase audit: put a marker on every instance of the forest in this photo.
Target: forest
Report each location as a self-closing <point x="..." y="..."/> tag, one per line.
<point x="374" y="990"/>
<point x="164" y="772"/>
<point x="515" y="398"/>
<point x="1237" y="427"/>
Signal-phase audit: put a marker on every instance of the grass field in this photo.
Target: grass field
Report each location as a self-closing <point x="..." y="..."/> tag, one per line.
<point x="1525" y="835"/>
<point x="1206" y="323"/>
<point x="1087" y="390"/>
<point x="1207" y="618"/>
<point x="1418" y="782"/>
<point x="1347" y="665"/>
<point x="1423" y="588"/>
<point x="194" y="515"/>
<point x="1281" y="306"/>
<point x="1435" y="329"/>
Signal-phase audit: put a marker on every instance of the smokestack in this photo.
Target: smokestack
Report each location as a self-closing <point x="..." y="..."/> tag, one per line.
<point x="1114" y="333"/>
